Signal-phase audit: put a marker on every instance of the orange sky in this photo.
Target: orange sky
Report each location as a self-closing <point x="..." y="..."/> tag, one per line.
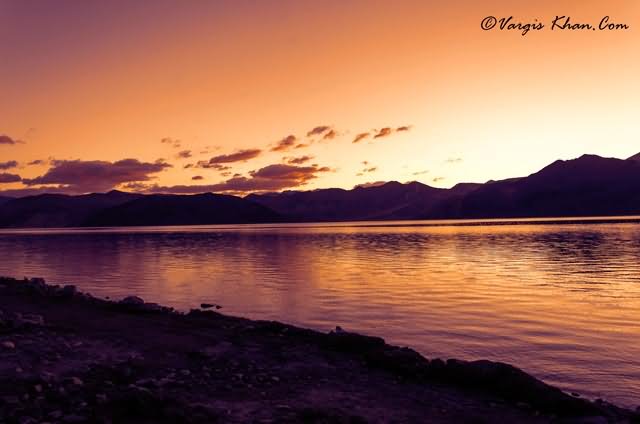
<point x="89" y="81"/>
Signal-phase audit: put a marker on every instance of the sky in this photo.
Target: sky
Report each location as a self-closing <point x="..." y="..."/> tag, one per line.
<point x="243" y="96"/>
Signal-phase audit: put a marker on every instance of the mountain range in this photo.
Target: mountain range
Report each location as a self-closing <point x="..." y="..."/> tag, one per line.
<point x="586" y="186"/>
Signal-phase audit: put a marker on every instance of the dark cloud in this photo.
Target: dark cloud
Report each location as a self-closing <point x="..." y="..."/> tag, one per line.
<point x="438" y="179"/>
<point x="85" y="176"/>
<point x="6" y="178"/>
<point x="38" y="162"/>
<point x="360" y="137"/>
<point x="197" y="178"/>
<point x="5" y="139"/>
<point x="216" y="166"/>
<point x="371" y="184"/>
<point x="8" y="165"/>
<point x="318" y="130"/>
<point x="383" y="132"/>
<point x="299" y="160"/>
<point x="403" y="128"/>
<point x="270" y="178"/>
<point x="426" y="171"/>
<point x="173" y="142"/>
<point x="285" y="144"/>
<point x="239" y="156"/>
<point x="454" y="160"/>
<point x="302" y="145"/>
<point x="184" y="154"/>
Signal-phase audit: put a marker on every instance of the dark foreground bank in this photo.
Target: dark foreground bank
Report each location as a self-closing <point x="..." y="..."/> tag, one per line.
<point x="67" y="357"/>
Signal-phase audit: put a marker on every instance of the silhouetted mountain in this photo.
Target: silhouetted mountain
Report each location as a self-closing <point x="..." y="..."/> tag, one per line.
<point x="388" y="201"/>
<point x="4" y="199"/>
<point x="199" y="209"/>
<point x="589" y="185"/>
<point x="58" y="210"/>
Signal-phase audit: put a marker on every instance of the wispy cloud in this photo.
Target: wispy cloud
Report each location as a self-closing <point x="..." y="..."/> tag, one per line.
<point x="299" y="160"/>
<point x="5" y="139"/>
<point x="8" y="165"/>
<point x="285" y="144"/>
<point x="173" y="142"/>
<point x="184" y="154"/>
<point x="360" y="137"/>
<point x="319" y="130"/>
<point x="383" y="132"/>
<point x="330" y="135"/>
<point x="238" y="156"/>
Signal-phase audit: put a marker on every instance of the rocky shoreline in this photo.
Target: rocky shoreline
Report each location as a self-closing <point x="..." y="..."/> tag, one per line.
<point x="68" y="357"/>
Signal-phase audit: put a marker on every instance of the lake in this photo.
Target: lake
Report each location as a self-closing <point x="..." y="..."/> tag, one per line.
<point x="557" y="298"/>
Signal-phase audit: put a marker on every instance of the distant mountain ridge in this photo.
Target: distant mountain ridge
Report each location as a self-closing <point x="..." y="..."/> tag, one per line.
<point x="588" y="185"/>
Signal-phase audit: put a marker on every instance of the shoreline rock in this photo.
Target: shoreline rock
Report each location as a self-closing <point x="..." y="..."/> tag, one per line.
<point x="67" y="356"/>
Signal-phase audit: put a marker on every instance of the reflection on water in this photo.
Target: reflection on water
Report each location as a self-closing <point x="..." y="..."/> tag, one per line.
<point x="561" y="301"/>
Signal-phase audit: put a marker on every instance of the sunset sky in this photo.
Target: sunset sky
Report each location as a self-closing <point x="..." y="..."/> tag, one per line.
<point x="237" y="96"/>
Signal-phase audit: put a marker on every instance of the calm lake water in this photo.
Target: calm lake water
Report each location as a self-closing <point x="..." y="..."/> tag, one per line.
<point x="560" y="300"/>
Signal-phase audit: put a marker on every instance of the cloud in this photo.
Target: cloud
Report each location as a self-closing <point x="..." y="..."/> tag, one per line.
<point x="184" y="154"/>
<point x="8" y="165"/>
<point x="173" y="142"/>
<point x="366" y="170"/>
<point x="371" y="184"/>
<point x="454" y="160"/>
<point x="360" y="137"/>
<point x="6" y="178"/>
<point x="270" y="178"/>
<point x="318" y="130"/>
<point x="383" y="132"/>
<point x="285" y="144"/>
<point x="330" y="135"/>
<point x="197" y="178"/>
<point x="238" y="156"/>
<point x="438" y="179"/>
<point x="206" y="165"/>
<point x="426" y="171"/>
<point x="85" y="176"/>
<point x="37" y="162"/>
<point x="302" y="145"/>
<point x="299" y="160"/>
<point x="5" y="139"/>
